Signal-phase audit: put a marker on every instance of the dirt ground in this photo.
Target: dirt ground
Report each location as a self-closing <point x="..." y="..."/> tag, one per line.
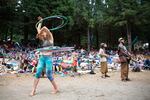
<point x="85" y="87"/>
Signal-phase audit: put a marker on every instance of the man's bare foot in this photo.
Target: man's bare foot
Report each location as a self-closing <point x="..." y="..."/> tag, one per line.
<point x="32" y="93"/>
<point x="54" y="91"/>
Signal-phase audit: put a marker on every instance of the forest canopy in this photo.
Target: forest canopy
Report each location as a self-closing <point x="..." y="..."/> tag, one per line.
<point x="90" y="21"/>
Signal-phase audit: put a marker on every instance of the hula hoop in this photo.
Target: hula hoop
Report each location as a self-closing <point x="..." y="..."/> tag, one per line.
<point x="63" y="23"/>
<point x="55" y="49"/>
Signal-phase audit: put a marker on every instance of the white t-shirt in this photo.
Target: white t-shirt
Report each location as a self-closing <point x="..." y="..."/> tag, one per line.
<point x="102" y="58"/>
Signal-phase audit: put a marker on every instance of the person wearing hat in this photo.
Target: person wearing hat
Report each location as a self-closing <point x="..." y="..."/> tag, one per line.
<point x="124" y="58"/>
<point x="103" y="59"/>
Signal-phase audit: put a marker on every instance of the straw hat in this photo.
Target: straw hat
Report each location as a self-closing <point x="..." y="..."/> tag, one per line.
<point x="120" y="39"/>
<point x="102" y="44"/>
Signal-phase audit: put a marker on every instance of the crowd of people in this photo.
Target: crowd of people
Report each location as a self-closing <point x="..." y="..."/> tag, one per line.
<point x="27" y="60"/>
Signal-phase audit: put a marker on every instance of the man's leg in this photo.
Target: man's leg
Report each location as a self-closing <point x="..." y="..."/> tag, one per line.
<point x="106" y="70"/>
<point x="124" y="72"/>
<point x="103" y="69"/>
<point x="127" y="72"/>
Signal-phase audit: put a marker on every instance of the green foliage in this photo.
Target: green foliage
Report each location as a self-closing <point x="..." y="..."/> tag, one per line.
<point x="102" y="17"/>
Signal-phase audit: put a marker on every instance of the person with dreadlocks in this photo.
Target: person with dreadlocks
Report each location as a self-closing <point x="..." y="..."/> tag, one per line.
<point x="45" y="58"/>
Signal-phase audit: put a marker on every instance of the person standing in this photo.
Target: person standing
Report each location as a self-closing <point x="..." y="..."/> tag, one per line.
<point x="124" y="57"/>
<point x="103" y="60"/>
<point x="45" y="58"/>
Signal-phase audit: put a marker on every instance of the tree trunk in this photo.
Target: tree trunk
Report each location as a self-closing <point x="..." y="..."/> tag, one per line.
<point x="26" y="29"/>
<point x="129" y="36"/>
<point x="110" y="36"/>
<point x="26" y="34"/>
<point x="97" y="39"/>
<point x="88" y="44"/>
<point x="79" y="38"/>
<point x="11" y="34"/>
